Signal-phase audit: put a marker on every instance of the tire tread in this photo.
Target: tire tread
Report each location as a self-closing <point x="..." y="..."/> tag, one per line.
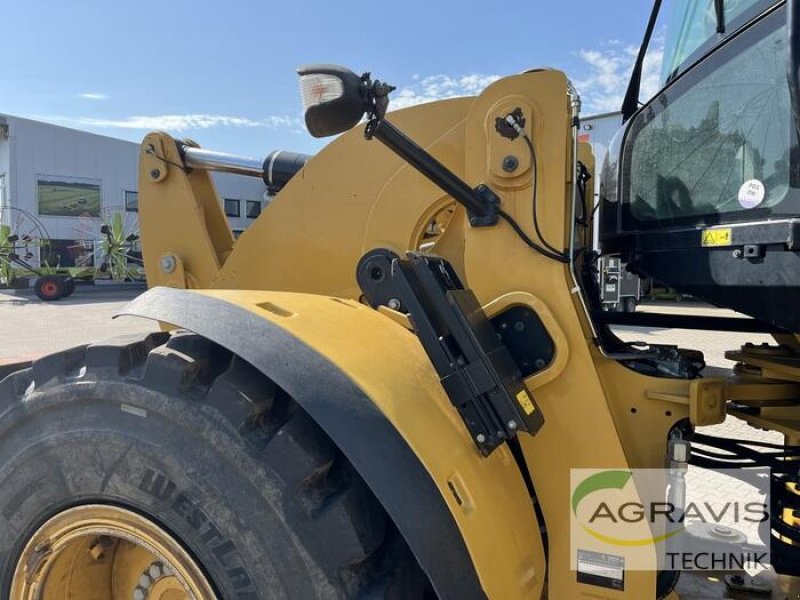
<point x="325" y="502"/>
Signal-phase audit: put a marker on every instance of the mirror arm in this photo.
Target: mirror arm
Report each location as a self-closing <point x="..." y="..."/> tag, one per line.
<point x="482" y="203"/>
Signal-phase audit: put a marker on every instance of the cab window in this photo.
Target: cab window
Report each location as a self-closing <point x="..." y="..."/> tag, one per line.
<point x="718" y="139"/>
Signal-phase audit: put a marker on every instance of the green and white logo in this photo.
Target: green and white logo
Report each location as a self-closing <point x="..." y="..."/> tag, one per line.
<point x="658" y="518"/>
<point x="628" y="512"/>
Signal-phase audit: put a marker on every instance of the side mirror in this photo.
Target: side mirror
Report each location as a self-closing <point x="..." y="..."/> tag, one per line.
<point x="334" y="98"/>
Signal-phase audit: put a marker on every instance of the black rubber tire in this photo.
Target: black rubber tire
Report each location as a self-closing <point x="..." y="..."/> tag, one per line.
<point x="629" y="304"/>
<point x="49" y="287"/>
<point x="69" y="287"/>
<point x="179" y="430"/>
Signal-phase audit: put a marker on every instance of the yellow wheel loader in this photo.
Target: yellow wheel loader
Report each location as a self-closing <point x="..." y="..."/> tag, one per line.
<point x="388" y="385"/>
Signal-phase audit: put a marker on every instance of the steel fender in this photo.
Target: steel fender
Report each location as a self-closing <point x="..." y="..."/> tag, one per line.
<point x="368" y="383"/>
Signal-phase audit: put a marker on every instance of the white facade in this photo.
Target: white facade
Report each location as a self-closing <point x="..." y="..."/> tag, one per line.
<point x="599" y="130"/>
<point x="70" y="180"/>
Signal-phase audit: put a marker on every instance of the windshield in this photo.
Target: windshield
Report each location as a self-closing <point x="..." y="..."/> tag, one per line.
<point x="718" y="139"/>
<point x="693" y="23"/>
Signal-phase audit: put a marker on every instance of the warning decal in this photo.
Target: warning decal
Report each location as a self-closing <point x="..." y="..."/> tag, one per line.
<point x="525" y="402"/>
<point x="716" y="237"/>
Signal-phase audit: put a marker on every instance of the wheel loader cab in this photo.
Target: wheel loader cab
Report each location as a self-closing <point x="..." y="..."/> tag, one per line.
<point x="700" y="191"/>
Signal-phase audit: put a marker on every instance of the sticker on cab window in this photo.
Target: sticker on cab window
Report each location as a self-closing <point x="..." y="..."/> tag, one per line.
<point x="752" y="193"/>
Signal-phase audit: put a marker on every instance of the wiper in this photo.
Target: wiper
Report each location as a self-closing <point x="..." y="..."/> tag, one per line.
<point x="719" y="8"/>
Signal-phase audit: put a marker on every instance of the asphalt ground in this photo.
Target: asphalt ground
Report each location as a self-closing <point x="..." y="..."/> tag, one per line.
<point x="31" y="328"/>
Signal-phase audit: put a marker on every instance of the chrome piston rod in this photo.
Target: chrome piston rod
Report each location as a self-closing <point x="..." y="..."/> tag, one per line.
<point x="276" y="169"/>
<point x="199" y="158"/>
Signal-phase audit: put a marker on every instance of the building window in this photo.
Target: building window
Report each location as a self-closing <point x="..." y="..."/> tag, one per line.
<point x="132" y="201"/>
<point x="232" y="208"/>
<point x="68" y="197"/>
<point x="237" y="233"/>
<point x="253" y="209"/>
<point x="66" y="253"/>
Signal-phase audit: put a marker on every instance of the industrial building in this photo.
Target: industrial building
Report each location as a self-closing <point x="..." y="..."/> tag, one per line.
<point x="599" y="130"/>
<point x="63" y="184"/>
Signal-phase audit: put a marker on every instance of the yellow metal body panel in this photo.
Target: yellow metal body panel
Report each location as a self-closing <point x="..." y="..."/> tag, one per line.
<point x="355" y="196"/>
<point x="388" y="363"/>
<point x="580" y="429"/>
<point x="352" y="197"/>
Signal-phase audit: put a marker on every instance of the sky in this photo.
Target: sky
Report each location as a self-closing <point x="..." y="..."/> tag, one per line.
<point x="224" y="74"/>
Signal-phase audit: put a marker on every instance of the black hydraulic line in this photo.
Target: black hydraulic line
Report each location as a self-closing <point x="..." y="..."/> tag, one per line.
<point x="726" y="443"/>
<point x="631" y="102"/>
<point x="528" y="241"/>
<point x="546" y="249"/>
<point x="559" y="254"/>
<point x="742" y="454"/>
<point x="422" y="161"/>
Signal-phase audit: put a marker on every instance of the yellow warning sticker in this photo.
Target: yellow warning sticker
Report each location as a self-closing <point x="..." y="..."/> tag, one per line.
<point x="525" y="402"/>
<point x="717" y="237"/>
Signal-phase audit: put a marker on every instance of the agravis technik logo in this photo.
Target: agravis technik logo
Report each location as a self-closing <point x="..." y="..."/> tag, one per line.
<point x="645" y="519"/>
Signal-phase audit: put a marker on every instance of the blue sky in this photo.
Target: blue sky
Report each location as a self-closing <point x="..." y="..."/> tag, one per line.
<point x="224" y="73"/>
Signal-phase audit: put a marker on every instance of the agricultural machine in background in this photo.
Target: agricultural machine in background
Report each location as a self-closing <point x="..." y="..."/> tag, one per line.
<point x="23" y="241"/>
<point x="114" y="253"/>
<point x="109" y="251"/>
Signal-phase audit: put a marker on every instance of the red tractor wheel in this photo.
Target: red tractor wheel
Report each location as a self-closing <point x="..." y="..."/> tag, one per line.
<point x="49" y="287"/>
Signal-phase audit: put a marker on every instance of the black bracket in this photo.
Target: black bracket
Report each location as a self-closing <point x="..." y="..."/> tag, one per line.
<point x="492" y="203"/>
<point x="476" y="370"/>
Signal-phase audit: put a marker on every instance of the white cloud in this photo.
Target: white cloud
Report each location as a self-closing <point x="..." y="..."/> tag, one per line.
<point x="179" y="123"/>
<point x="609" y="69"/>
<point x="602" y="84"/>
<point x="439" y="87"/>
<point x="94" y="96"/>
